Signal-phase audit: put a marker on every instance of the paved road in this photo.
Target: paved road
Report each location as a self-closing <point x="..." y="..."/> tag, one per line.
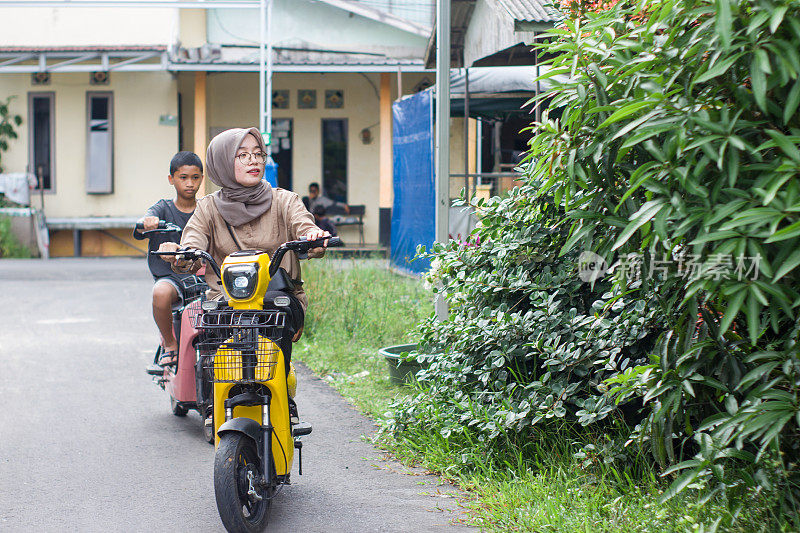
<point x="88" y="443"/>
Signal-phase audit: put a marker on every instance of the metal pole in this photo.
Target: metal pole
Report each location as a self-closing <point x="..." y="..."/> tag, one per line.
<point x="261" y="67"/>
<point x="442" y="146"/>
<point x="478" y="150"/>
<point x="538" y="114"/>
<point x="466" y="131"/>
<point x="269" y="75"/>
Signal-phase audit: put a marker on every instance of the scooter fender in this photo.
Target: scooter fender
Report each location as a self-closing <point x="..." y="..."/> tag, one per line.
<point x="242" y="424"/>
<point x="182" y="384"/>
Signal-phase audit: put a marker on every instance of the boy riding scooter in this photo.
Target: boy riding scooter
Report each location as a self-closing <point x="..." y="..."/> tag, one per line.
<point x="186" y="175"/>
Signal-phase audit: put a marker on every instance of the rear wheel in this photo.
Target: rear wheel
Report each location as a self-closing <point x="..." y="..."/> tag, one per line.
<point x="242" y="501"/>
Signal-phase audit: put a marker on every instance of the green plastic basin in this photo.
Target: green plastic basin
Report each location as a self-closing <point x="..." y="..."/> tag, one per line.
<point x="400" y="370"/>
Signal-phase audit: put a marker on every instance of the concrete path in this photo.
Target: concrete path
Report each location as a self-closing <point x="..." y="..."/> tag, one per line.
<point x="88" y="443"/>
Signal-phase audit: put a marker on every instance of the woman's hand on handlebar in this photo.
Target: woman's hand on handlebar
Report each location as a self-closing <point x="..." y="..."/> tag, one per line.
<point x="313" y="235"/>
<point x="172" y="259"/>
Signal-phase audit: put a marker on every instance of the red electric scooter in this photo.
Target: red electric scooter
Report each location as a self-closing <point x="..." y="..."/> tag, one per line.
<point x="184" y="382"/>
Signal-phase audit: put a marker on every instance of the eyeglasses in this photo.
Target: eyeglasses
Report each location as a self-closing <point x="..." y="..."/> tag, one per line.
<point x="245" y="157"/>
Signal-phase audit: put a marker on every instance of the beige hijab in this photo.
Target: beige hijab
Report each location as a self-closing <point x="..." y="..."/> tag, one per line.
<point x="237" y="204"/>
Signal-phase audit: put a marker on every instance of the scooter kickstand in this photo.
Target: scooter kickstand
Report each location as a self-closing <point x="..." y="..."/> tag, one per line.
<point x="298" y="445"/>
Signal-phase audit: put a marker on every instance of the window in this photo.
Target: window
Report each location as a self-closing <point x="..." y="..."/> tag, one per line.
<point x="100" y="143"/>
<point x="334" y="159"/>
<point x="41" y="139"/>
<point x="282" y="150"/>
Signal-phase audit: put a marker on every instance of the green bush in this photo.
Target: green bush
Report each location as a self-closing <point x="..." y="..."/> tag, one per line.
<point x="671" y="150"/>
<point x="9" y="245"/>
<point x="8" y="122"/>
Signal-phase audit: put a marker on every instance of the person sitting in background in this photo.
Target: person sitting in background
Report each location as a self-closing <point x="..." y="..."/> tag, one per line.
<point x="315" y="198"/>
<point x="322" y="221"/>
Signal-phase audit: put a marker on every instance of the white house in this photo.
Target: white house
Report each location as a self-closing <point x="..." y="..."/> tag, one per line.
<point x="108" y="95"/>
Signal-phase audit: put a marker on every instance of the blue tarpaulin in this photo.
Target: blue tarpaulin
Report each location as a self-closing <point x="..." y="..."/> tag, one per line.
<point x="414" y="213"/>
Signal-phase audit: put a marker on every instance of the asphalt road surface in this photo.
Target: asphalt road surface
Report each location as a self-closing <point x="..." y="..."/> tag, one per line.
<point x="88" y="442"/>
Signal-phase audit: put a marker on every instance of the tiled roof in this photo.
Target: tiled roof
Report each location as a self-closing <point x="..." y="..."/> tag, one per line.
<point x="40" y="49"/>
<point x="531" y="10"/>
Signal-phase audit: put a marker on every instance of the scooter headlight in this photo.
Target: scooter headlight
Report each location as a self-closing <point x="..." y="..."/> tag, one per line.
<point x="241" y="280"/>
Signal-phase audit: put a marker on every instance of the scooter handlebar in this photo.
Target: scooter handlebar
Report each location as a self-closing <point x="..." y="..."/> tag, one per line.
<point x="193" y="255"/>
<point x="163" y="227"/>
<point x="301" y="248"/>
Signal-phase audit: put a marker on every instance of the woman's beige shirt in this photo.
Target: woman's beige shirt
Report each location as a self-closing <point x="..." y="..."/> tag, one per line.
<point x="286" y="220"/>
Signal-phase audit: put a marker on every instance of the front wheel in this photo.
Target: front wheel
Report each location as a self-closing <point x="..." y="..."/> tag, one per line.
<point x="242" y="501"/>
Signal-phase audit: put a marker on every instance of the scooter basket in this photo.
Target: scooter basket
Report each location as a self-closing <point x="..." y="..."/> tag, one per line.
<point x="195" y="310"/>
<point x="240" y="346"/>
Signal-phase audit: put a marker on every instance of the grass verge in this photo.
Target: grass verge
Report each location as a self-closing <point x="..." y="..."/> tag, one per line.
<point x="357" y="307"/>
<point x="538" y="483"/>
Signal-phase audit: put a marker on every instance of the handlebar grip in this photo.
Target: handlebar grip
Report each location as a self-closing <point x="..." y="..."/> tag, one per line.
<point x="139" y="226"/>
<point x="334" y="241"/>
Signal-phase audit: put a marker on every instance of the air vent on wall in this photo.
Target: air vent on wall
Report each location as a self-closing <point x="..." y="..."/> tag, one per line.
<point x="99" y="78"/>
<point x="40" y="78"/>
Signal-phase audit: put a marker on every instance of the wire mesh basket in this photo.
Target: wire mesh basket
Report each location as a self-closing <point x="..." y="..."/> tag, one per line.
<point x="193" y="287"/>
<point x="240" y="346"/>
<point x="195" y="310"/>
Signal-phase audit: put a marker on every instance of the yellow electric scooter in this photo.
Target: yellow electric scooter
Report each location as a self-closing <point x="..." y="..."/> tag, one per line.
<point x="243" y="347"/>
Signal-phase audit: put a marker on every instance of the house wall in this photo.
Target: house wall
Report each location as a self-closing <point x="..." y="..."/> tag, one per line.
<point x="457" y="148"/>
<point x="233" y="102"/>
<point x="142" y="147"/>
<point x="491" y="29"/>
<point x="74" y="26"/>
<point x="314" y="25"/>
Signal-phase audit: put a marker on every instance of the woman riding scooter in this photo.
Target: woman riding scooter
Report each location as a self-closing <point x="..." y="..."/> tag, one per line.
<point x="247" y="213"/>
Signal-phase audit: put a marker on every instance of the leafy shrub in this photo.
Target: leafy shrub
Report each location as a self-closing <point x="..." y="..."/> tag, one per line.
<point x="9" y="245"/>
<point x="7" y="124"/>
<point x="672" y="142"/>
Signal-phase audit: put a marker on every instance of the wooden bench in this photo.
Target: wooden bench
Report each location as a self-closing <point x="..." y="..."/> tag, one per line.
<point x="101" y="224"/>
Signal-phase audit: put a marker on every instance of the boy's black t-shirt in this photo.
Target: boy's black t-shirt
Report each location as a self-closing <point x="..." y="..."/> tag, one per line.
<point x="165" y="210"/>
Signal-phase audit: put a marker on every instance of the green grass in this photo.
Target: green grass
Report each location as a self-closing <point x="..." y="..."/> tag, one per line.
<point x="539" y="485"/>
<point x="357" y="307"/>
<point x="536" y="484"/>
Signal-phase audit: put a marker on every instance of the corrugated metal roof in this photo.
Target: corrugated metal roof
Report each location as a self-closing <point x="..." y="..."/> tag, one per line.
<point x="531" y="10"/>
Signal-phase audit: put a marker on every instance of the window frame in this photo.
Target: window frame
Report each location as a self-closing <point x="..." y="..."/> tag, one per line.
<point x="111" y="123"/>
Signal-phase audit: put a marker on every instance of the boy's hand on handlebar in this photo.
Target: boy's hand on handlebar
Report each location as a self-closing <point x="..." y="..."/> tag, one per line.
<point x="150" y="223"/>
<point x="313" y="235"/>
